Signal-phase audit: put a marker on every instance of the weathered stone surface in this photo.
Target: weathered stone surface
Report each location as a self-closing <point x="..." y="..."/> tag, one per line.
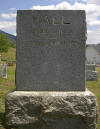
<point x="51" y="110"/>
<point x="90" y="67"/>
<point x="51" y="50"/>
<point x="91" y="75"/>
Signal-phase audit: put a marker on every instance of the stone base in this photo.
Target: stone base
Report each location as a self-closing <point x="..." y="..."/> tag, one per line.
<point x="91" y="75"/>
<point x="51" y="110"/>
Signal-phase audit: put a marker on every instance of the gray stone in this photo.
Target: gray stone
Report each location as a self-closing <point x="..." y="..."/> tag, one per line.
<point x="91" y="75"/>
<point x="0" y="58"/>
<point x="51" y="110"/>
<point x="90" y="67"/>
<point x="3" y="70"/>
<point x="51" y="56"/>
<point x="0" y="69"/>
<point x="51" y="50"/>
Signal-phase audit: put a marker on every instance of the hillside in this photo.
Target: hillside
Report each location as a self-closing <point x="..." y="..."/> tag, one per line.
<point x="10" y="36"/>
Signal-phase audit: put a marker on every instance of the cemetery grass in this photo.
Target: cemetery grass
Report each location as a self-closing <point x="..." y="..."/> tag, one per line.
<point x="10" y="55"/>
<point x="94" y="86"/>
<point x="7" y="85"/>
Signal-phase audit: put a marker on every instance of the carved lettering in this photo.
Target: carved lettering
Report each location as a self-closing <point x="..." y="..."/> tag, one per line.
<point x="53" y="43"/>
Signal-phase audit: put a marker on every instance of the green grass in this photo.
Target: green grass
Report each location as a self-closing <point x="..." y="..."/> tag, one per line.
<point x="10" y="55"/>
<point x="6" y="85"/>
<point x="94" y="86"/>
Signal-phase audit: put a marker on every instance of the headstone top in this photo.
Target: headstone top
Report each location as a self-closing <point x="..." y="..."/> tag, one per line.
<point x="90" y="67"/>
<point x="51" y="50"/>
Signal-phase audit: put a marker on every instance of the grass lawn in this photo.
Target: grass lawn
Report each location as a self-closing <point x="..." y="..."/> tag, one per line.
<point x="94" y="86"/>
<point x="10" y="55"/>
<point x="6" y="85"/>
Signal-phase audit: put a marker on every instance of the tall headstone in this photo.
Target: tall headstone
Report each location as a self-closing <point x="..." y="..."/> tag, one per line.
<point x="50" y="73"/>
<point x="51" y="50"/>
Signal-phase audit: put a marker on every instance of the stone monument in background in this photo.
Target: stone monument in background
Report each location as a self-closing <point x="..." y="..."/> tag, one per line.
<point x="91" y="73"/>
<point x="0" y="58"/>
<point x="3" y="70"/>
<point x="50" y="74"/>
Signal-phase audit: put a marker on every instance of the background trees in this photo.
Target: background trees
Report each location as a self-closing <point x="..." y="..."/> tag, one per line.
<point x="4" y="43"/>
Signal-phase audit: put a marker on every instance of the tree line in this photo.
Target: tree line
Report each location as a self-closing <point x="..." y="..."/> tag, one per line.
<point x="5" y="43"/>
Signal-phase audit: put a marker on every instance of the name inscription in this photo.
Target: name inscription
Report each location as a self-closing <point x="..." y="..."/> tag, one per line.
<point x="51" y="21"/>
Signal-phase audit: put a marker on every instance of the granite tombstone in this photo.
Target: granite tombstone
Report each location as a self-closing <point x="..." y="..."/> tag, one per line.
<point x="91" y="73"/>
<point x="51" y="73"/>
<point x="51" y="50"/>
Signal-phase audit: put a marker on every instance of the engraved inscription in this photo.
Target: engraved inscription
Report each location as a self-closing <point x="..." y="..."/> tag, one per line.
<point x="68" y="32"/>
<point x="42" y="20"/>
<point x="52" y="43"/>
<point x="66" y="23"/>
<point x="51" y="21"/>
<point x="47" y="32"/>
<point x="51" y="50"/>
<point x="52" y="30"/>
<point x="61" y="21"/>
<point x="57" y="20"/>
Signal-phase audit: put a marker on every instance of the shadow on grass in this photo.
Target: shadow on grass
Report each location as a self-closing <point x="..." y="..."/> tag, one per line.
<point x="2" y="122"/>
<point x="2" y="119"/>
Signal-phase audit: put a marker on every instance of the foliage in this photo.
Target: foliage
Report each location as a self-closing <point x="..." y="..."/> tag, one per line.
<point x="10" y="55"/>
<point x="4" y="43"/>
<point x="13" y="45"/>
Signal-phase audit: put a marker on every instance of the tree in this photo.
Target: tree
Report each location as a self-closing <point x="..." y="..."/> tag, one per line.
<point x="13" y="45"/>
<point x="4" y="43"/>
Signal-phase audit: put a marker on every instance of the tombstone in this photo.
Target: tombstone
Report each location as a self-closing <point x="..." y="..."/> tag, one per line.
<point x="0" y="58"/>
<point x="3" y="70"/>
<point x="0" y="69"/>
<point x="50" y="73"/>
<point x="90" y="67"/>
<point x="91" y="73"/>
<point x="51" y="51"/>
